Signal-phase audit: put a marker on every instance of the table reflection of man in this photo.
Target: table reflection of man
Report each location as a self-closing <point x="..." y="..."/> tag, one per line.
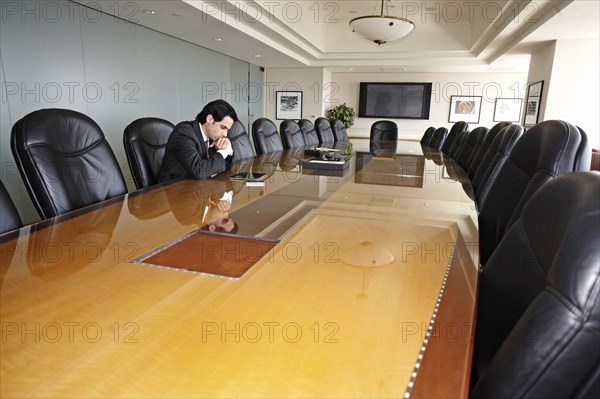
<point x="204" y="203"/>
<point x="216" y="215"/>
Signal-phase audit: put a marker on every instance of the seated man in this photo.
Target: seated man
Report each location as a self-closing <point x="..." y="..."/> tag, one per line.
<point x="200" y="149"/>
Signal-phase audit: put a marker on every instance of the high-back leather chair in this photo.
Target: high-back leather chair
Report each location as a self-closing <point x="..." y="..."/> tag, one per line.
<point x="438" y="138"/>
<point x="240" y="142"/>
<point x="427" y="135"/>
<point x="291" y="134"/>
<point x="458" y="144"/>
<point x="339" y="130"/>
<point x="493" y="161"/>
<point x="266" y="137"/>
<point x="9" y="217"/>
<point x="309" y="132"/>
<point x="481" y="149"/>
<point x="538" y="310"/>
<point x="65" y="161"/>
<point x="384" y="131"/>
<point x="323" y="128"/>
<point x="145" y="141"/>
<point x="546" y="151"/>
<point x="383" y="138"/>
<point x="472" y="142"/>
<point x="455" y="133"/>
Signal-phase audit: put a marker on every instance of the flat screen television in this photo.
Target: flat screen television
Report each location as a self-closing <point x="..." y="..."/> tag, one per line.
<point x="394" y="100"/>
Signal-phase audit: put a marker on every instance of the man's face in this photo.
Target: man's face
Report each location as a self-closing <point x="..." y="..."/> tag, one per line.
<point x="215" y="130"/>
<point x="226" y="223"/>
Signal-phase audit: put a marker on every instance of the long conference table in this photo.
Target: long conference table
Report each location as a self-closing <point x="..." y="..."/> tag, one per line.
<point x="352" y="283"/>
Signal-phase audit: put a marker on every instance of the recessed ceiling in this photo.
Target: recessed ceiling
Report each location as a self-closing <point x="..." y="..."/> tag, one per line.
<point x="488" y="35"/>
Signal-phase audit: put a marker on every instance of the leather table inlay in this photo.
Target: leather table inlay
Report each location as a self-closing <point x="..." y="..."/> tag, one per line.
<point x="210" y="253"/>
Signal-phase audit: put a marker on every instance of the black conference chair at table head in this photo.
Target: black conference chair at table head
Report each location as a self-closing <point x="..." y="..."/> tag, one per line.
<point x="240" y="142"/>
<point x="145" y="140"/>
<point x="544" y="152"/>
<point x="383" y="138"/>
<point x="65" y="161"/>
<point x="538" y="308"/>
<point x="9" y="217"/>
<point x="384" y="131"/>
<point x="454" y="134"/>
<point x="339" y="130"/>
<point x="308" y="131"/>
<point x="266" y="137"/>
<point x="291" y="134"/>
<point x="323" y="128"/>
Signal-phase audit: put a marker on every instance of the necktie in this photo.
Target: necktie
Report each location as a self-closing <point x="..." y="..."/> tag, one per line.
<point x="206" y="145"/>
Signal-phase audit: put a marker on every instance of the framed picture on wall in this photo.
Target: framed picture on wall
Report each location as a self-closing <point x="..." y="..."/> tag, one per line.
<point x="508" y="110"/>
<point x="532" y="103"/>
<point x="288" y="105"/>
<point x="465" y="108"/>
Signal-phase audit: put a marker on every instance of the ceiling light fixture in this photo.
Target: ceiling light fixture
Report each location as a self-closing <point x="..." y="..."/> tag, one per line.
<point x="381" y="29"/>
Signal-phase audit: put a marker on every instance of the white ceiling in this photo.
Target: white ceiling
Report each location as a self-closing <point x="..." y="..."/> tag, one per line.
<point x="484" y="35"/>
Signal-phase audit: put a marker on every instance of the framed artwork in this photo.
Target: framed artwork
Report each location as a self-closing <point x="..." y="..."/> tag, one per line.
<point x="288" y="105"/>
<point x="508" y="110"/>
<point x="532" y="103"/>
<point x="465" y="108"/>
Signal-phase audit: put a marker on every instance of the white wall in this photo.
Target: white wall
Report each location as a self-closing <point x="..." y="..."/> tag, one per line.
<point x="307" y="80"/>
<point x="540" y="70"/>
<point x="109" y="69"/>
<point x="573" y="86"/>
<point x="344" y="88"/>
<point x="487" y="85"/>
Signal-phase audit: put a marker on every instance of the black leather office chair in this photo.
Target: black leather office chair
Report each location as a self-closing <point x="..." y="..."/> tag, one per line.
<point x="65" y="161"/>
<point x="291" y="134"/>
<point x="538" y="311"/>
<point x="309" y="132"/>
<point x="383" y="138"/>
<point x="145" y="140"/>
<point x="546" y="151"/>
<point x="472" y="142"/>
<point x="438" y="138"/>
<point x="324" y="132"/>
<point x="493" y="161"/>
<point x="481" y="149"/>
<point x="240" y="141"/>
<point x="384" y="131"/>
<point x="455" y="133"/>
<point x="458" y="144"/>
<point x="9" y="217"/>
<point x="266" y="137"/>
<point x="427" y="135"/>
<point x="339" y="130"/>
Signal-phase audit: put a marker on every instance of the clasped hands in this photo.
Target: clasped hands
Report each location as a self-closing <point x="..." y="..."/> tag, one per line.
<point x="221" y="143"/>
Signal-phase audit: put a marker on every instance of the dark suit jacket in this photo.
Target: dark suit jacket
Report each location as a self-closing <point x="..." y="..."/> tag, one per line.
<point x="185" y="155"/>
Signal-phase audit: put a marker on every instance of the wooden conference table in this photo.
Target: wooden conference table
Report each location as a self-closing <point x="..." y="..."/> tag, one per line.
<point x="361" y="285"/>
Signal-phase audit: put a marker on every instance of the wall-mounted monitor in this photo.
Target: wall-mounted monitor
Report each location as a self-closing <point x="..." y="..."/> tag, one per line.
<point x="394" y="100"/>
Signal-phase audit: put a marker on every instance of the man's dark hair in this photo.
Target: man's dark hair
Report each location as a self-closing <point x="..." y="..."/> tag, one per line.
<point x="219" y="109"/>
<point x="219" y="229"/>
